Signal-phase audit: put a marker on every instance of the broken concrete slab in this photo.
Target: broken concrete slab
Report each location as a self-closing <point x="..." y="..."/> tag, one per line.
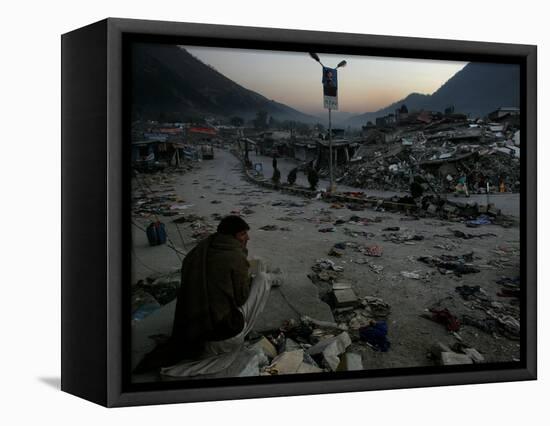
<point x="345" y="297"/>
<point x="331" y="348"/>
<point x="286" y="363"/>
<point x="291" y="345"/>
<point x="476" y="357"/>
<point x="266" y="347"/>
<point x="306" y="368"/>
<point x="452" y="358"/>
<point x="341" y="285"/>
<point x="350" y="361"/>
<point x="437" y="349"/>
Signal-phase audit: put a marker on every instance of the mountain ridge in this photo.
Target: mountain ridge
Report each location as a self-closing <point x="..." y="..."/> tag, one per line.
<point x="476" y="90"/>
<point x="169" y="80"/>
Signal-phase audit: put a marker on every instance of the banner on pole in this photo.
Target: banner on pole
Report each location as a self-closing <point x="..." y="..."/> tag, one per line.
<point x="330" y="88"/>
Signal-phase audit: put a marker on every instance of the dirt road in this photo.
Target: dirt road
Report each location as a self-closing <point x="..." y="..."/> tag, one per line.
<point x="293" y="242"/>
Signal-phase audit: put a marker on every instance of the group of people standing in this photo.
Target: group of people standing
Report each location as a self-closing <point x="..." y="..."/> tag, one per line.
<point x="311" y="172"/>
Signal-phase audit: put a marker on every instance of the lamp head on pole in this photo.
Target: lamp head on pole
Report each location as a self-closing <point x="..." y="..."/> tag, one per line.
<point x="341" y="64"/>
<point x="315" y="56"/>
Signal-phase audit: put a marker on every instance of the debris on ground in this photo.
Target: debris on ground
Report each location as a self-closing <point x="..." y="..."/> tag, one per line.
<point x="373" y="251"/>
<point x="443" y="316"/>
<point x="269" y="228"/>
<point x="461" y="354"/>
<point x="412" y="275"/>
<point x="330" y="349"/>
<point x="375" y="334"/>
<point x="465" y="236"/>
<point x="350" y="361"/>
<point x="405" y="237"/>
<point x="458" y="265"/>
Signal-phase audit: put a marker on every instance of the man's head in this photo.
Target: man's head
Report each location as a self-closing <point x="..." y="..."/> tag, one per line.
<point x="236" y="227"/>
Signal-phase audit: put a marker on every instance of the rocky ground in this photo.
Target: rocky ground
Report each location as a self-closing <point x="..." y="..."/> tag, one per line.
<point x="385" y="269"/>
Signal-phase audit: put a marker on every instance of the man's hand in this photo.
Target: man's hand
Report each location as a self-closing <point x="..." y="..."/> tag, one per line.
<point x="256" y="267"/>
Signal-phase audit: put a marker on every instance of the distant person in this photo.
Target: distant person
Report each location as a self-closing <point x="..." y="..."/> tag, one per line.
<point x="312" y="177"/>
<point x="291" y="178"/>
<point x="274" y="162"/>
<point x="462" y="187"/>
<point x="276" y="176"/>
<point x="501" y="186"/>
<point x="217" y="304"/>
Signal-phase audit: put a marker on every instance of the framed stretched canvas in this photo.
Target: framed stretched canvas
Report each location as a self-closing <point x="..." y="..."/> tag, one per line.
<point x="254" y="212"/>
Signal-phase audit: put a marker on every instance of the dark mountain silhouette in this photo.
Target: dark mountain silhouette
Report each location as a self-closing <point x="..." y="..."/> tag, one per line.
<point x="168" y="81"/>
<point x="476" y="90"/>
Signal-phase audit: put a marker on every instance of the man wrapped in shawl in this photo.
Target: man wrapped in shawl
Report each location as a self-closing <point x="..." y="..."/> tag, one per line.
<point x="217" y="304"/>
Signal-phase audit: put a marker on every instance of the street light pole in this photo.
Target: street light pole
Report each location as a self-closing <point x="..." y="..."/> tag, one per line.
<point x="332" y="186"/>
<point x="340" y="64"/>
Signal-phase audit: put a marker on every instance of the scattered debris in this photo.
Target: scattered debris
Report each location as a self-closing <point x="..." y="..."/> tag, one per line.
<point x="188" y="218"/>
<point x="452" y="358"/>
<point x="344" y="297"/>
<point x="373" y="251"/>
<point x="443" y="316"/>
<point x="411" y="275"/>
<point x="375" y="335"/>
<point x="461" y="354"/>
<point x="376" y="307"/>
<point x="285" y="363"/>
<point x="480" y="220"/>
<point x="406" y="237"/>
<point x="350" y="361"/>
<point x="459" y="265"/>
<point x="269" y="228"/>
<point x="459" y="234"/>
<point x="330" y="349"/>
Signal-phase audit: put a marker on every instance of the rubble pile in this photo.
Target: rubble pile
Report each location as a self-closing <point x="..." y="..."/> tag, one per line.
<point x="440" y="155"/>
<point x="312" y="346"/>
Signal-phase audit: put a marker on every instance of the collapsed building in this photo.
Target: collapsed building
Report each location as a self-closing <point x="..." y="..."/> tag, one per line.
<point x="443" y="152"/>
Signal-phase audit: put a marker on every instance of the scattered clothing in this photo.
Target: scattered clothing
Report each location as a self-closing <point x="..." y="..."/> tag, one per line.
<point x="468" y="292"/>
<point x="375" y="335"/>
<point x="443" y="316"/>
<point x="374" y="251"/>
<point x="481" y="220"/>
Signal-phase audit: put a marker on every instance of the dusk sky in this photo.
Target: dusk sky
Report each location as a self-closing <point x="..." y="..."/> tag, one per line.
<point x="366" y="84"/>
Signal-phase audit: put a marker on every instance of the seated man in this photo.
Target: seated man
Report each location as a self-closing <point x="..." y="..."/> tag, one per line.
<point x="217" y="304"/>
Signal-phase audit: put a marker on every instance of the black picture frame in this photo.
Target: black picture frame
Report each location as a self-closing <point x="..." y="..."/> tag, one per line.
<point x="95" y="198"/>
